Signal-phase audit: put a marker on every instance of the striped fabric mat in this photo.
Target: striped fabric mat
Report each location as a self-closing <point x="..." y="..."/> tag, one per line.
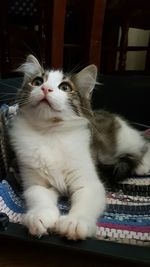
<point x="126" y="219"/>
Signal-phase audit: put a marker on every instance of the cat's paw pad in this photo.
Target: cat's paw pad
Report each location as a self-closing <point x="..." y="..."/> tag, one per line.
<point x="75" y="228"/>
<point x="40" y="221"/>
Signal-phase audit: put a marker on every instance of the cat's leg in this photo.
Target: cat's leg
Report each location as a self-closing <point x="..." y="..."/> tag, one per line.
<point x="42" y="212"/>
<point x="143" y="167"/>
<point x="87" y="203"/>
<point x="131" y="142"/>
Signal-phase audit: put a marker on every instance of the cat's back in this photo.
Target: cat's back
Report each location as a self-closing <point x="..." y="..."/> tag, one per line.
<point x="105" y="121"/>
<point x="104" y="127"/>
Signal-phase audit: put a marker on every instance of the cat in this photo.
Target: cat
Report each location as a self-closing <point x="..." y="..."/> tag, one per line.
<point x="56" y="135"/>
<point x="51" y="137"/>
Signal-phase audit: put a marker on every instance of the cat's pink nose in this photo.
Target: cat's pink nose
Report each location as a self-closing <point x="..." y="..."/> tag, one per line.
<point x="46" y="89"/>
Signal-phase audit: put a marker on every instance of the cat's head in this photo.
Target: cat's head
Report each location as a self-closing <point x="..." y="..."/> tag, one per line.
<point x="53" y="94"/>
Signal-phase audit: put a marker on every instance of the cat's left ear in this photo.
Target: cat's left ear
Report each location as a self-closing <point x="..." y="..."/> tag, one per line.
<point x="30" y="68"/>
<point x="33" y="60"/>
<point x="85" y="80"/>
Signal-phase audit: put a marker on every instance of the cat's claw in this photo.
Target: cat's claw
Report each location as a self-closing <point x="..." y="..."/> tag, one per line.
<point x="40" y="221"/>
<point x="75" y="228"/>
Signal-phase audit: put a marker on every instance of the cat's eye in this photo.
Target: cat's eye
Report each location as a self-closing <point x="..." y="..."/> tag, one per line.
<point x="64" y="86"/>
<point x="38" y="81"/>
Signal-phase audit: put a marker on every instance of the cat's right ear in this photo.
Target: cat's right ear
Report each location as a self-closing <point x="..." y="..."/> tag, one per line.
<point x="85" y="80"/>
<point x="30" y="67"/>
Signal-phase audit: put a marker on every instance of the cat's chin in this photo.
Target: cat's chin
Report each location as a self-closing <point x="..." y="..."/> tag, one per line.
<point x="42" y="111"/>
<point x="44" y="103"/>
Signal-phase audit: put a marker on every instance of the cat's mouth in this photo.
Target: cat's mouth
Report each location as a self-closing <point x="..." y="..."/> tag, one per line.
<point x="46" y="102"/>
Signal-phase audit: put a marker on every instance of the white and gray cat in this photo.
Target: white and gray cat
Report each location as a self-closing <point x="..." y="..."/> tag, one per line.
<point x="51" y="139"/>
<point x="59" y="140"/>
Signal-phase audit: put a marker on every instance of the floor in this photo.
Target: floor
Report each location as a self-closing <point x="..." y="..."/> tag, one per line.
<point x="22" y="254"/>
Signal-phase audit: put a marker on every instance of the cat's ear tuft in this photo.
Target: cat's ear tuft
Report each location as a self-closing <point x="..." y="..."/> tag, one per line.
<point x="30" y="67"/>
<point x="85" y="80"/>
<point x="32" y="59"/>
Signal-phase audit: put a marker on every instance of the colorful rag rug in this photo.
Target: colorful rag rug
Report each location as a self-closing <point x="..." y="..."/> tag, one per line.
<point x="126" y="219"/>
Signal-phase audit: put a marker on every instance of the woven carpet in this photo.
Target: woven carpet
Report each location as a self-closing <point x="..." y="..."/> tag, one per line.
<point x="125" y="220"/>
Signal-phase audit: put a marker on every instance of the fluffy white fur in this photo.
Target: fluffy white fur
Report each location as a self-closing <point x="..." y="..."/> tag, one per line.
<point x="131" y="141"/>
<point x="55" y="159"/>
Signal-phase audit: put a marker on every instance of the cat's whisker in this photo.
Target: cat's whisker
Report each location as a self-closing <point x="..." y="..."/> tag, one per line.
<point x="86" y="108"/>
<point x="24" y="99"/>
<point x="1" y="93"/>
<point x="76" y="68"/>
<point x="90" y="122"/>
<point x="141" y="124"/>
<point x="22" y="103"/>
<point x="23" y="59"/>
<point x="98" y="83"/>
<point x="97" y="88"/>
<point x="33" y="52"/>
<point x="10" y="99"/>
<point x="8" y="85"/>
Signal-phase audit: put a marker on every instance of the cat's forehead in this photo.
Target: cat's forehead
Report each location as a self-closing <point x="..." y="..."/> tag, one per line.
<point x="54" y="76"/>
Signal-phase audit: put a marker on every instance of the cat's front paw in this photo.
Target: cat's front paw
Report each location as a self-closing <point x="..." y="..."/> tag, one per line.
<point x="40" y="221"/>
<point x="75" y="228"/>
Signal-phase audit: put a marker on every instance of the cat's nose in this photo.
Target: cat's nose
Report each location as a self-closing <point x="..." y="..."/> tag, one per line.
<point x="46" y="89"/>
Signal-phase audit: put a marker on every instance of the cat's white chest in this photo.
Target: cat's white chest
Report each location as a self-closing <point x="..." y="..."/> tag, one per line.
<point x="52" y="153"/>
<point x="49" y="158"/>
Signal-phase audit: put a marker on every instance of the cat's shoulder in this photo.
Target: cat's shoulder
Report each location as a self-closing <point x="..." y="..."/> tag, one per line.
<point x="105" y="119"/>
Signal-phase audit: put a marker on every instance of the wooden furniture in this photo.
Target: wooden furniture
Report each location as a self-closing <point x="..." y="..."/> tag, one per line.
<point x="96" y="32"/>
<point x="83" y="32"/>
<point x="36" y="27"/>
<point x="123" y="14"/>
<point x="74" y="41"/>
<point x="55" y="43"/>
<point x="60" y="33"/>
